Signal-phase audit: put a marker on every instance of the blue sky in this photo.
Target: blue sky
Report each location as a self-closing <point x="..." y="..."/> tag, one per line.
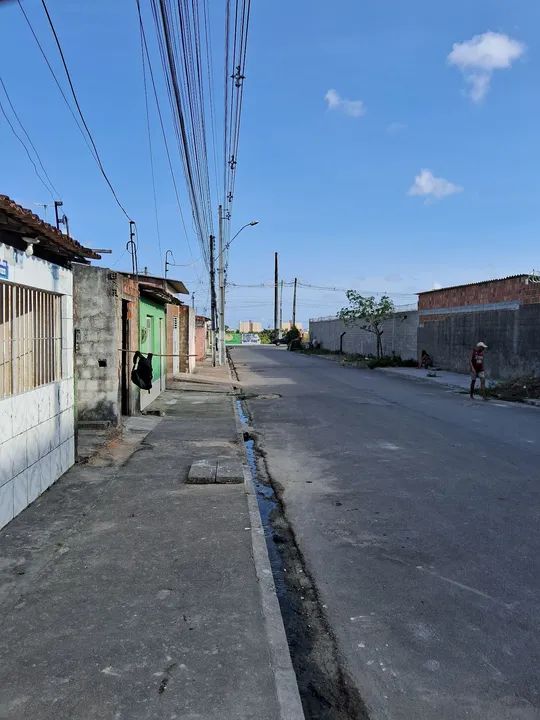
<point x="330" y="177"/>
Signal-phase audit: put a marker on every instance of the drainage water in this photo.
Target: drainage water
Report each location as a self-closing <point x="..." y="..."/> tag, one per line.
<point x="268" y="505"/>
<point x="326" y="692"/>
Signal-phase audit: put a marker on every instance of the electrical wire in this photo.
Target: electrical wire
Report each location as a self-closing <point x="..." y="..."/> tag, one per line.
<point x="179" y="39"/>
<point x="156" y="215"/>
<point x="162" y="125"/>
<point x="28" y="138"/>
<point x="68" y="104"/>
<point x="19" y="138"/>
<point x="77" y="105"/>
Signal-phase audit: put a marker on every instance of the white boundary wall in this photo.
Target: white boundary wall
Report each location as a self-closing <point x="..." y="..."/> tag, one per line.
<point x="399" y="336"/>
<point x="37" y="442"/>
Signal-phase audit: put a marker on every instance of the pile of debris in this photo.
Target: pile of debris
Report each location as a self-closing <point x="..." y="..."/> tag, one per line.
<point x="518" y="389"/>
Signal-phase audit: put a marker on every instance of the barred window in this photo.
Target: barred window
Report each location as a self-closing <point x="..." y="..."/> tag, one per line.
<point x="30" y="338"/>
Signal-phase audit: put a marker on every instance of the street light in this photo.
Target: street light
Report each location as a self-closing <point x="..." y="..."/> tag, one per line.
<point x="228" y="245"/>
<point x="222" y="249"/>
<point x="168" y="263"/>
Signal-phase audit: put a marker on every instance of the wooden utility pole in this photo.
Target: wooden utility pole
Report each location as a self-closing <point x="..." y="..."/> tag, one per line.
<point x="213" y="311"/>
<point x="276" y="299"/>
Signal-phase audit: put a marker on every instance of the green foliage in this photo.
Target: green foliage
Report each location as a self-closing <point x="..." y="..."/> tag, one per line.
<point x="292" y="334"/>
<point x="267" y="336"/>
<point x="368" y="313"/>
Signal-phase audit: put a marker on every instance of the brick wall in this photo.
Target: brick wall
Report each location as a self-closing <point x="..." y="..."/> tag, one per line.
<point x="200" y="339"/>
<point x="510" y="289"/>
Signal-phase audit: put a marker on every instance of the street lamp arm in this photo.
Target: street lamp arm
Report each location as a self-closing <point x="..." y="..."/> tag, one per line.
<point x="228" y="245"/>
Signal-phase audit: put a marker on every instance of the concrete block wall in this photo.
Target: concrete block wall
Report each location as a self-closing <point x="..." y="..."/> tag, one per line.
<point x="97" y="316"/>
<point x="37" y="427"/>
<point x="399" y="336"/>
<point x="512" y="336"/>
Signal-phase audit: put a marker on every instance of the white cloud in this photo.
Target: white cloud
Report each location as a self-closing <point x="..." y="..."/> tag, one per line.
<point x="354" y="108"/>
<point x="395" y="128"/>
<point x="479" y="57"/>
<point x="426" y="185"/>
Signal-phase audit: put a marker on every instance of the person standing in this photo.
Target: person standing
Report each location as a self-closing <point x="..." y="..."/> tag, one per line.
<point x="477" y="369"/>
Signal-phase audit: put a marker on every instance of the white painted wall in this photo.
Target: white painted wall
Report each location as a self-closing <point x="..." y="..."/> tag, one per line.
<point x="37" y="428"/>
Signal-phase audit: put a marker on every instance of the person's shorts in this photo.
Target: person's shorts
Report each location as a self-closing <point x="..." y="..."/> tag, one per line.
<point x="481" y="375"/>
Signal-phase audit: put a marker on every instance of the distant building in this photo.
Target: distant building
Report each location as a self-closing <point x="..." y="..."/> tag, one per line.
<point x="248" y="326"/>
<point x="286" y="326"/>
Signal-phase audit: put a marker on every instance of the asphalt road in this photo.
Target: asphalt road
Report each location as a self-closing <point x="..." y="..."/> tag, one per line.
<point x="417" y="512"/>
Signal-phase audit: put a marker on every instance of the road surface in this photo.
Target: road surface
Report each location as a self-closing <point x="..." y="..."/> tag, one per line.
<point x="417" y="512"/>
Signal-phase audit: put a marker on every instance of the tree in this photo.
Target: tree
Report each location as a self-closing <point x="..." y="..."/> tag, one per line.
<point x="369" y="313"/>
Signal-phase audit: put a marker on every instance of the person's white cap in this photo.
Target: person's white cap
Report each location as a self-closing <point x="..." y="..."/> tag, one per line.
<point x="481" y="344"/>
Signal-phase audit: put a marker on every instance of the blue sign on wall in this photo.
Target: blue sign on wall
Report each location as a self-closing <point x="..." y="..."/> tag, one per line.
<point x="4" y="269"/>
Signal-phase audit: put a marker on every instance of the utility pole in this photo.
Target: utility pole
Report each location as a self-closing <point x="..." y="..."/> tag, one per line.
<point x="193" y="300"/>
<point x="281" y="309"/>
<point x="213" y="299"/>
<point x="57" y="204"/>
<point x="294" y="304"/>
<point x="276" y="279"/>
<point x="221" y="325"/>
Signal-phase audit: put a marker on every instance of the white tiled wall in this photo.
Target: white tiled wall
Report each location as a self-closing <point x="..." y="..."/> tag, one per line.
<point x="37" y="443"/>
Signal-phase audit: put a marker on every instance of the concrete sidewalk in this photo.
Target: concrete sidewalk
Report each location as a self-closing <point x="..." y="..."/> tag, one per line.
<point x="459" y="381"/>
<point x="126" y="594"/>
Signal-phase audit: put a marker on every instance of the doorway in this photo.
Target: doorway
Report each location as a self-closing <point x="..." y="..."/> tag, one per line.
<point x="125" y="361"/>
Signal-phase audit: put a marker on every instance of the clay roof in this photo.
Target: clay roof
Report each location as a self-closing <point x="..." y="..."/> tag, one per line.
<point x="157" y="294"/>
<point x="177" y="285"/>
<point x="25" y="222"/>
<point x="480" y="282"/>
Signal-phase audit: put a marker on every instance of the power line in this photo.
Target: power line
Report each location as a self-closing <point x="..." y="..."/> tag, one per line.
<point x="178" y="31"/>
<point x="19" y="138"/>
<point x="150" y="151"/>
<point x="51" y="187"/>
<point x="68" y="75"/>
<point x="68" y="104"/>
<point x="162" y="125"/>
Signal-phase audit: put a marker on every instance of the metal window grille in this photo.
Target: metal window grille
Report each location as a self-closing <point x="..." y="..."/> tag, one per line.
<point x="30" y="338"/>
<point x="175" y="323"/>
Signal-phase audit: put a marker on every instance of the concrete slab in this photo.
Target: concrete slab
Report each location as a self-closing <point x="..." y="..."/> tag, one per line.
<point x="229" y="471"/>
<point x="202" y="472"/>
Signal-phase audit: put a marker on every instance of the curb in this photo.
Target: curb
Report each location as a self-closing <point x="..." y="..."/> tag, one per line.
<point x="288" y="695"/>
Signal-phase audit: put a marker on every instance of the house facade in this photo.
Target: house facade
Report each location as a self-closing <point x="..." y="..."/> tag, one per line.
<point x="106" y="321"/>
<point x="117" y="314"/>
<point x="37" y="443"/>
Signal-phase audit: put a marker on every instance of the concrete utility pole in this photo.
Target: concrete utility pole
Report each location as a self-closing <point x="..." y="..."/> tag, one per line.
<point x="276" y="303"/>
<point x="213" y="299"/>
<point x="281" y="309"/>
<point x="221" y="342"/>
<point x="294" y="304"/>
